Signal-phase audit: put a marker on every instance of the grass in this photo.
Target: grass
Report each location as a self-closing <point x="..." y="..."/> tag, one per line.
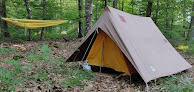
<point x="6" y="51"/>
<point x="9" y="80"/>
<point x="46" y="70"/>
<point x="176" y="83"/>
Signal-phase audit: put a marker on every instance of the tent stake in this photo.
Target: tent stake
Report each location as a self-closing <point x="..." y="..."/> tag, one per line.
<point x="147" y="87"/>
<point x="130" y="78"/>
<point x="155" y="85"/>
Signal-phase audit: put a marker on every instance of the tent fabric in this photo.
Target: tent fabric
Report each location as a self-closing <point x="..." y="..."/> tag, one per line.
<point x="140" y="41"/>
<point x="32" y="24"/>
<point x="112" y="56"/>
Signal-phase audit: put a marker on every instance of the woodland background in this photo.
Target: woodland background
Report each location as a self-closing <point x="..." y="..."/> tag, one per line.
<point x="173" y="17"/>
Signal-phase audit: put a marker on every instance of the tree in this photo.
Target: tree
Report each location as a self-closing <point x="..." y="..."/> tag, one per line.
<point x="190" y="35"/>
<point x="88" y="15"/>
<point x="44" y="17"/>
<point x="149" y="9"/>
<point x="80" y="16"/>
<point x="156" y="16"/>
<point x="96" y="10"/>
<point x="122" y="5"/>
<point x="29" y="17"/>
<point x="132" y="7"/>
<point x="115" y="4"/>
<point x="4" y="31"/>
<point x="61" y="14"/>
<point x="172" y="18"/>
<point x="167" y="17"/>
<point x="105" y="3"/>
<point x="184" y="17"/>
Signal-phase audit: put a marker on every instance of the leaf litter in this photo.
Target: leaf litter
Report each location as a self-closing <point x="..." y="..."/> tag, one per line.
<point x="41" y="77"/>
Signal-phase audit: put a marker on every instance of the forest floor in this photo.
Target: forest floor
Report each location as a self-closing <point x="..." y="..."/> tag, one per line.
<point x="39" y="66"/>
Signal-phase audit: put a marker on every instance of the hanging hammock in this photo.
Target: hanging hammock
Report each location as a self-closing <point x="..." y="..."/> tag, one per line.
<point x="32" y="24"/>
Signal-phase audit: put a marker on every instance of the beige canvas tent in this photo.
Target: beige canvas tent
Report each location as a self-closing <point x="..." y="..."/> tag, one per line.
<point x="137" y="39"/>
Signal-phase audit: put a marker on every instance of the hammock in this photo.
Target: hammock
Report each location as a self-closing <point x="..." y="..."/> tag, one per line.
<point x="32" y="24"/>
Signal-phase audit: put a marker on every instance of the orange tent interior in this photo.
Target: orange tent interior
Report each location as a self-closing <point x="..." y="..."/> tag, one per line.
<point x="112" y="55"/>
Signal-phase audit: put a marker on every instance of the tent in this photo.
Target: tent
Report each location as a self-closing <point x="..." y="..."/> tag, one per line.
<point x="130" y="44"/>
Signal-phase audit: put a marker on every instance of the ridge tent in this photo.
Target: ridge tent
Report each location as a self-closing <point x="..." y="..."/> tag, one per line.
<point x="130" y="44"/>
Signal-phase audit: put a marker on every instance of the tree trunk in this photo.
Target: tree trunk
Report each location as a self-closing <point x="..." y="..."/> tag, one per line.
<point x="167" y="19"/>
<point x="105" y="3"/>
<point x="132" y="6"/>
<point x="190" y="35"/>
<point x="39" y="1"/>
<point x="96" y="10"/>
<point x="44" y="17"/>
<point x="156" y="18"/>
<point x="122" y="5"/>
<point x="80" y="16"/>
<point x="29" y="17"/>
<point x="88" y="14"/>
<point x="2" y="29"/>
<point x="115" y="4"/>
<point x="61" y="14"/>
<point x="4" y="25"/>
<point x="149" y="9"/>
<point x="184" y="17"/>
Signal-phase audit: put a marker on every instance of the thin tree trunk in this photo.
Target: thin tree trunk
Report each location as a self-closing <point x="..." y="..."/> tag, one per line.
<point x="80" y="23"/>
<point x="190" y="35"/>
<point x="44" y="17"/>
<point x="2" y="29"/>
<point x="156" y="18"/>
<point x="149" y="9"/>
<point x="4" y="25"/>
<point x="184" y="17"/>
<point x="29" y="17"/>
<point x="88" y="14"/>
<point x="115" y="4"/>
<point x="167" y="19"/>
<point x="61" y="14"/>
<point x="122" y="5"/>
<point x="56" y="28"/>
<point x="172" y="19"/>
<point x="39" y="1"/>
<point x="105" y="3"/>
<point x="96" y="9"/>
<point x="132" y="6"/>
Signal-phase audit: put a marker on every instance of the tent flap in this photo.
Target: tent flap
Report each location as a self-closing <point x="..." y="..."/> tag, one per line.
<point x="112" y="56"/>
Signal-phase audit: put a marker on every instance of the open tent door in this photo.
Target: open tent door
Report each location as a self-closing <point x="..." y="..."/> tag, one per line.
<point x="112" y="55"/>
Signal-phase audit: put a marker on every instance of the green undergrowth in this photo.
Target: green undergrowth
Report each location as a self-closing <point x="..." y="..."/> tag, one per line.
<point x="6" y="51"/>
<point x="19" y="36"/>
<point x="174" y="83"/>
<point x="42" y="68"/>
<point x="9" y="78"/>
<point x="186" y="46"/>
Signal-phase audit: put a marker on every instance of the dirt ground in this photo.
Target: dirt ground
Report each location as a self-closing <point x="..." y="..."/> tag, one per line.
<point x="100" y="82"/>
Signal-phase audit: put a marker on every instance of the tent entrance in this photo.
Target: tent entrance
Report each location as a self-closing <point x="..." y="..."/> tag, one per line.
<point x="112" y="56"/>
